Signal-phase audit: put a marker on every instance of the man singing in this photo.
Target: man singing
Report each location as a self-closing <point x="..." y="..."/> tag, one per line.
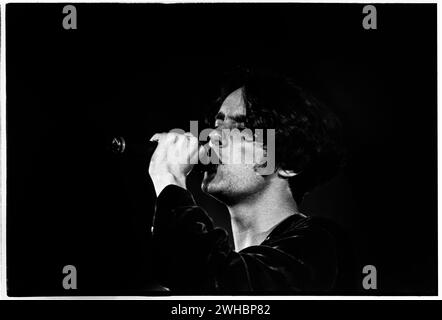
<point x="276" y="247"/>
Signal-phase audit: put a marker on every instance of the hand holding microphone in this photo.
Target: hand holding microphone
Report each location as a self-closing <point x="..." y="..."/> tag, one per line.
<point x="170" y="169"/>
<point x="173" y="159"/>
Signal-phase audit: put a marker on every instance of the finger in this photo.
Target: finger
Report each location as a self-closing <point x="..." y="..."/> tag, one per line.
<point x="156" y="137"/>
<point x="193" y="142"/>
<point x="181" y="141"/>
<point x="171" y="137"/>
<point x="189" y="134"/>
<point x="159" y="150"/>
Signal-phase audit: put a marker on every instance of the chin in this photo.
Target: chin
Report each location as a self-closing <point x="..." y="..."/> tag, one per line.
<point x="210" y="188"/>
<point x="214" y="189"/>
<point x="211" y="181"/>
<point x="220" y="192"/>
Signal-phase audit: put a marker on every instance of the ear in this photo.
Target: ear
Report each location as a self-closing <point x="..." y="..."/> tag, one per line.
<point x="286" y="173"/>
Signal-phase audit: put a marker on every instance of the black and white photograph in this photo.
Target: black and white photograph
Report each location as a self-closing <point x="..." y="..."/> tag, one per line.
<point x="220" y="149"/>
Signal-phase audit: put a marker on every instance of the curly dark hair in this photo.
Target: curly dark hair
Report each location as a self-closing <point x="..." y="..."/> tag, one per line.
<point x="308" y="135"/>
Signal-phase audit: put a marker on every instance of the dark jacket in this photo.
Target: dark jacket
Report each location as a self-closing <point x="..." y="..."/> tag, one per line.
<point x="303" y="255"/>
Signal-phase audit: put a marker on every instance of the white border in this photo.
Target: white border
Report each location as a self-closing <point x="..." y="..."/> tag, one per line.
<point x="3" y="230"/>
<point x="3" y="154"/>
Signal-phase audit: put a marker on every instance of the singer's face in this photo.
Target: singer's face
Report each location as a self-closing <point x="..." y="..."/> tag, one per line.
<point x="232" y="180"/>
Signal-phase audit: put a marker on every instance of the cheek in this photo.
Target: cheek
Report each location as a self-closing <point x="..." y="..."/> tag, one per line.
<point x="240" y="175"/>
<point x="252" y="155"/>
<point x="242" y="154"/>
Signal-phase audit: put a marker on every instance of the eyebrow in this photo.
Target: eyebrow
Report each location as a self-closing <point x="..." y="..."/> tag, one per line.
<point x="238" y="118"/>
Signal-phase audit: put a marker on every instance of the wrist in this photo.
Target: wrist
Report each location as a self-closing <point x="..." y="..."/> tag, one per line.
<point x="162" y="181"/>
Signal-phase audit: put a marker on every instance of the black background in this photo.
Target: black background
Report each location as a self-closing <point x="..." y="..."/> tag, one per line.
<point x="133" y="70"/>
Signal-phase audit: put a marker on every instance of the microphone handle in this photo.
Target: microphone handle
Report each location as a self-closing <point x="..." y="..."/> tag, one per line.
<point x="120" y="146"/>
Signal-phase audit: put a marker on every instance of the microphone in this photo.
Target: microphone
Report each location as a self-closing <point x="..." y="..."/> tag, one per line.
<point x="121" y="146"/>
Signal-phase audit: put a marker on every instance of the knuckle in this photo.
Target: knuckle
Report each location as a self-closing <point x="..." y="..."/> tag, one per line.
<point x="171" y="136"/>
<point x="193" y="141"/>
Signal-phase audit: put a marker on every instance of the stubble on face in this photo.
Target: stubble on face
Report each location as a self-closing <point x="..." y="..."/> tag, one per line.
<point x="229" y="181"/>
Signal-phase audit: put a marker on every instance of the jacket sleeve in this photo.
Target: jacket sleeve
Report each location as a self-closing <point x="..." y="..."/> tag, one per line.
<point x="193" y="256"/>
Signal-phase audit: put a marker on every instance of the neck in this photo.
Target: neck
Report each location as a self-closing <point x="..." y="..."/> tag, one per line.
<point x="254" y="218"/>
